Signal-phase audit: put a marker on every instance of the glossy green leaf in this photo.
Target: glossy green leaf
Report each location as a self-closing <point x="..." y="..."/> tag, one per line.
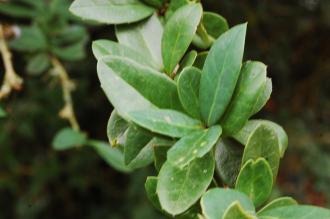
<point x="160" y="147"/>
<point x="136" y="140"/>
<point x="103" y="48"/>
<point x="200" y="59"/>
<point x="243" y="135"/>
<point x="220" y="73"/>
<point x="178" y="189"/>
<point x="68" y="138"/>
<point x="255" y="180"/>
<point x="228" y="158"/>
<point x="250" y="85"/>
<point x="178" y="34"/>
<point x="113" y="156"/>
<point x="38" y="64"/>
<point x="187" y="61"/>
<point x="167" y="122"/>
<point x="277" y="203"/>
<point x="154" y="86"/>
<point x="263" y="143"/>
<point x="111" y="11"/>
<point x="216" y="201"/>
<point x="188" y="90"/>
<point x="151" y="187"/>
<point x="297" y="211"/>
<point x="235" y="211"/>
<point x="263" y="96"/>
<point x="192" y="146"/>
<point x="116" y="129"/>
<point x="122" y="95"/>
<point x="144" y="37"/>
<point x="2" y="113"/>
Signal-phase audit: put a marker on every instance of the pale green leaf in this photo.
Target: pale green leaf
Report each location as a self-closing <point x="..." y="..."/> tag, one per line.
<point x="68" y="138"/>
<point x="116" y="129"/>
<point x="235" y="211"/>
<point x="187" y="61"/>
<point x="279" y="202"/>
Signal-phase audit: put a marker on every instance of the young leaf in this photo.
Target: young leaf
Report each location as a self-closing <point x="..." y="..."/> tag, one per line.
<point x="38" y="64"/>
<point x="296" y="211"/>
<point x="111" y="11"/>
<point x="167" y="122"/>
<point x="113" y="156"/>
<point x="228" y="158"/>
<point x="249" y="86"/>
<point x="154" y="86"/>
<point x="200" y="59"/>
<point x="151" y="187"/>
<point x="178" y="189"/>
<point x="178" y="34"/>
<point x="188" y="90"/>
<point x="121" y="94"/>
<point x="68" y="138"/>
<point x="193" y="146"/>
<point x="144" y="37"/>
<point x="235" y="211"/>
<point x="103" y="48"/>
<point x="263" y="96"/>
<point x="277" y="203"/>
<point x="220" y="73"/>
<point x="263" y="143"/>
<point x="136" y="140"/>
<point x="255" y="180"/>
<point x="216" y="201"/>
<point x="116" y="129"/>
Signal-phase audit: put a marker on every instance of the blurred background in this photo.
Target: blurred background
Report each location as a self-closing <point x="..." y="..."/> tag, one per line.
<point x="291" y="37"/>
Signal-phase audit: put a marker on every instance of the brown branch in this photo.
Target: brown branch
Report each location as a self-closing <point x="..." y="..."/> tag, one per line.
<point x="11" y="80"/>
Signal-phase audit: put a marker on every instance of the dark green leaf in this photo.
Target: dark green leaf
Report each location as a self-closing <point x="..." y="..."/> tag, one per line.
<point x="68" y="138"/>
<point x="215" y="202"/>
<point x="154" y="3"/>
<point x="200" y="59"/>
<point x="250" y="85"/>
<point x="16" y="10"/>
<point x="72" y="52"/>
<point x="111" y="11"/>
<point x="279" y="202"/>
<point x="116" y="129"/>
<point x="31" y="39"/>
<point x="150" y="187"/>
<point x="255" y="180"/>
<point x="188" y="90"/>
<point x="193" y="146"/>
<point x="178" y="189"/>
<point x="235" y="211"/>
<point x="263" y="96"/>
<point x="144" y="157"/>
<point x="70" y="35"/>
<point x="178" y="34"/>
<point x="167" y="122"/>
<point x="2" y="113"/>
<point x="220" y="73"/>
<point x="38" y="64"/>
<point x="214" y="24"/>
<point x="161" y="146"/>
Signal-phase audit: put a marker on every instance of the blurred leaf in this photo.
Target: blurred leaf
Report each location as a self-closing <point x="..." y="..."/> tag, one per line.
<point x="178" y="189"/>
<point x="70" y="35"/>
<point x="17" y="10"/>
<point x="277" y="203"/>
<point x="111" y="11"/>
<point x="2" y="113"/>
<point x="68" y="138"/>
<point x="31" y="39"/>
<point x="38" y="64"/>
<point x="72" y="52"/>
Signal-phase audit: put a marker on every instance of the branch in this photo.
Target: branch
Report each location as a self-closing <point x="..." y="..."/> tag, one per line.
<point x="68" y="86"/>
<point x="11" y="80"/>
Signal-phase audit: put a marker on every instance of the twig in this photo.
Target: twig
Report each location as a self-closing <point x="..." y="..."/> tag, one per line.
<point x="11" y="80"/>
<point x="68" y="86"/>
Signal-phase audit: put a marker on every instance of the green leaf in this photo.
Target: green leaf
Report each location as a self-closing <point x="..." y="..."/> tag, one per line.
<point x="263" y="143"/>
<point x="214" y="24"/>
<point x="216" y="201"/>
<point x="263" y="96"/>
<point x="250" y="84"/>
<point x="103" y="48"/>
<point x="161" y="146"/>
<point x="200" y="59"/>
<point x="38" y="64"/>
<point x="154" y="3"/>
<point x="167" y="122"/>
<point x="243" y="135"/>
<point x="116" y="129"/>
<point x="187" y="61"/>
<point x="136" y="140"/>
<point x="71" y="52"/>
<point x="111" y="11"/>
<point x="178" y="189"/>
<point x="193" y="146"/>
<point x="113" y="156"/>
<point x="2" y="113"/>
<point x="31" y="39"/>
<point x="70" y="35"/>
<point x="144" y="37"/>
<point x="154" y="86"/>
<point x="68" y="138"/>
<point x="144" y="157"/>
<point x="121" y="94"/>
<point x="173" y="6"/>
<point x="255" y="180"/>
<point x="151" y="187"/>
<point x="17" y="10"/>
<point x="279" y="202"/>
<point x="188" y="90"/>
<point x="228" y="158"/>
<point x="178" y="34"/>
<point x="297" y="211"/>
<point x="235" y="211"/>
<point x="220" y="73"/>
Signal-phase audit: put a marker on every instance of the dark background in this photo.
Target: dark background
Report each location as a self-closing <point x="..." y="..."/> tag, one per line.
<point x="291" y="37"/>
